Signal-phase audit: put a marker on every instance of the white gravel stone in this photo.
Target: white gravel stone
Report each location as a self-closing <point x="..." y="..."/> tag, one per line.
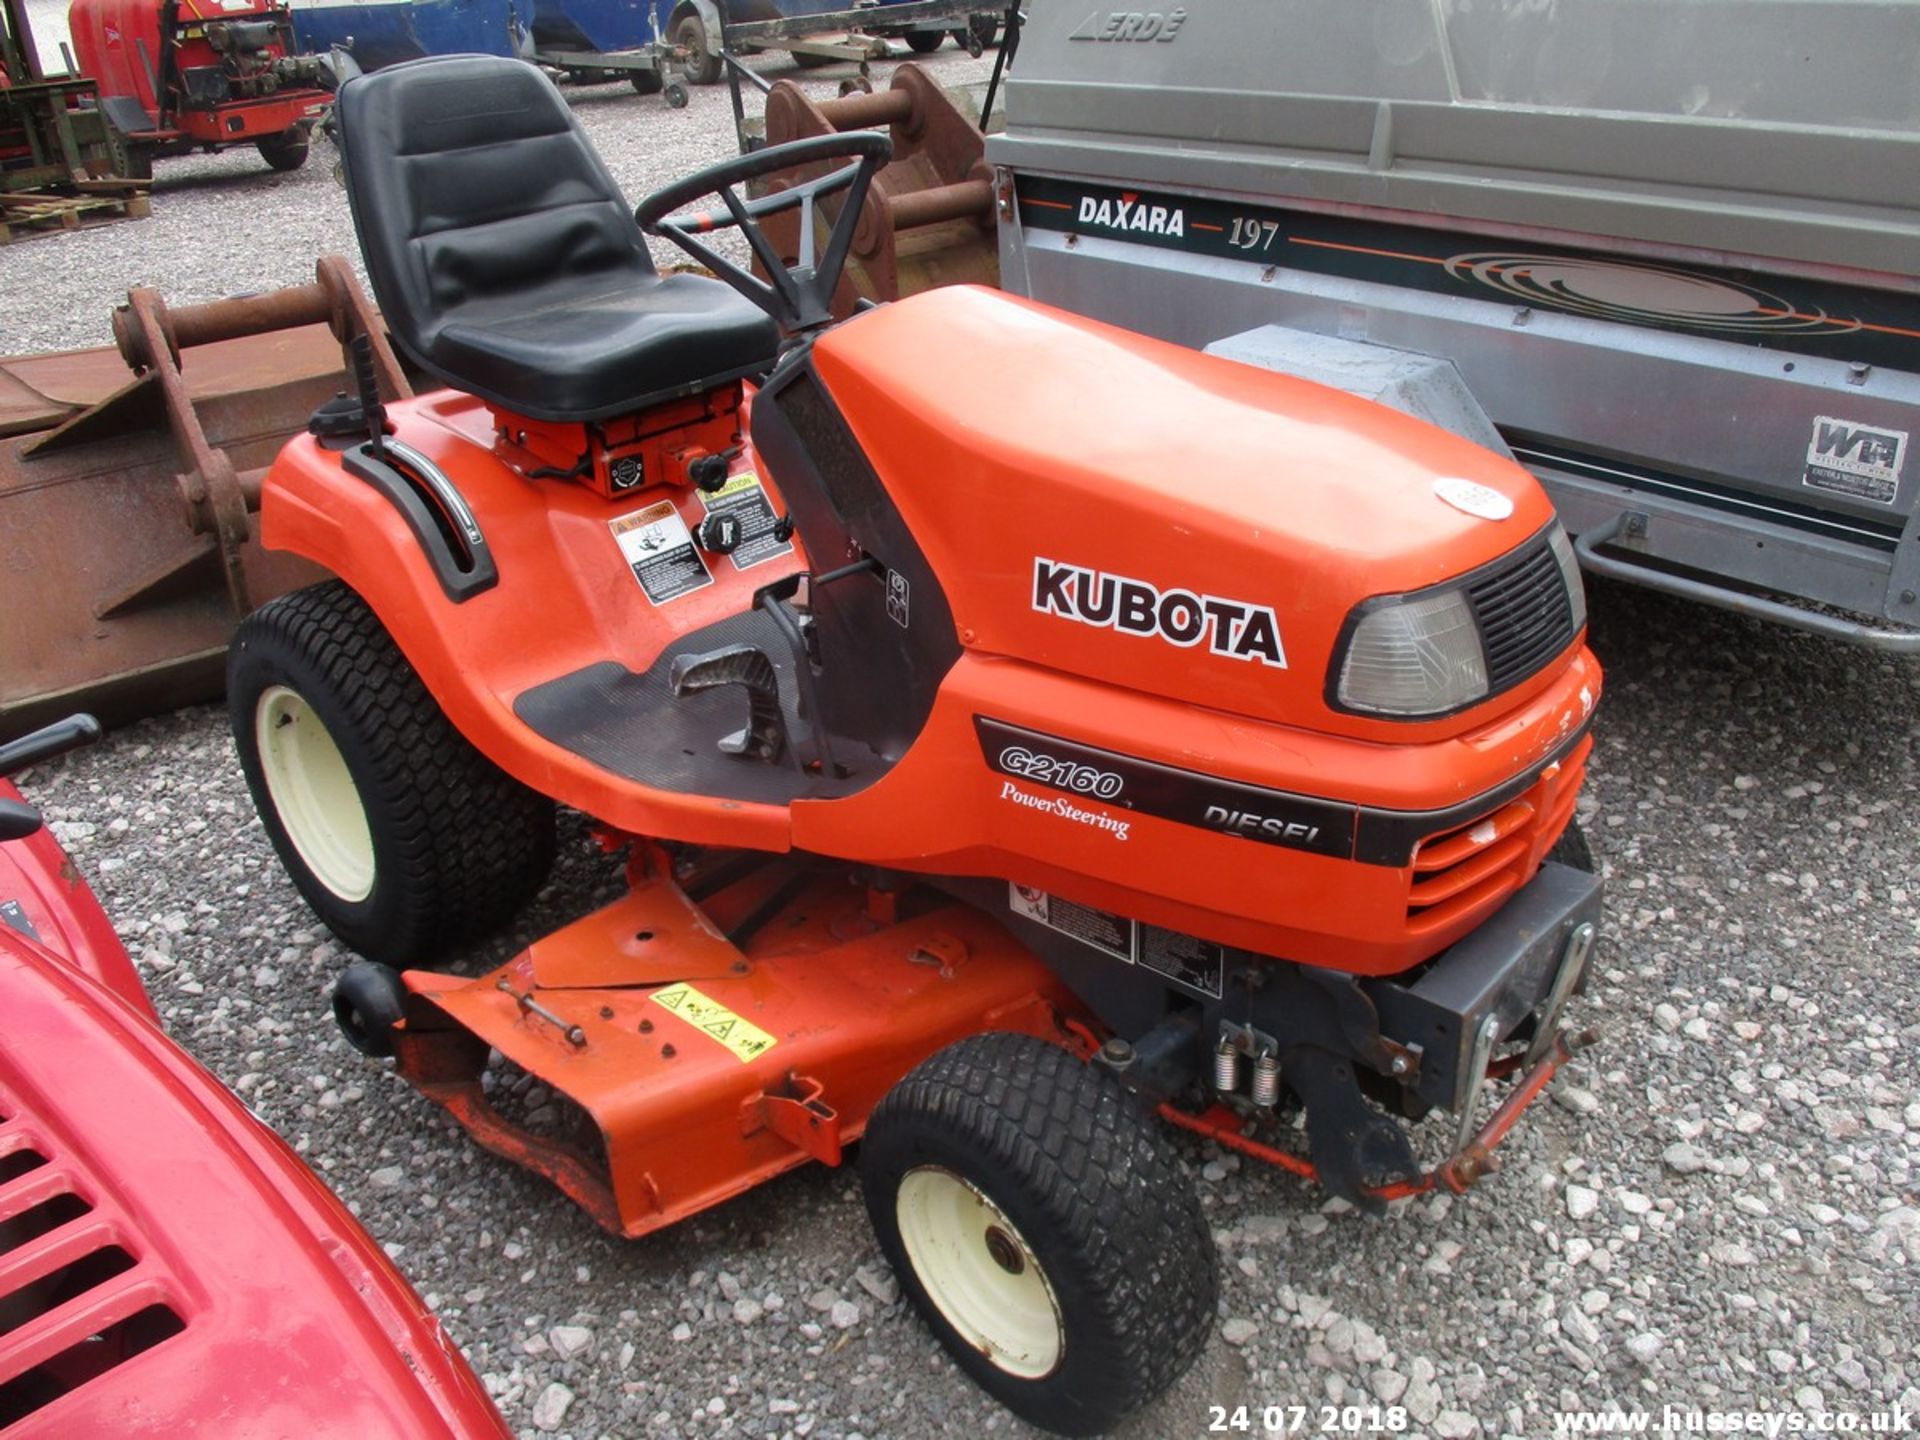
<point x="844" y="1315"/>
<point x="1577" y="1099"/>
<point x="550" y="1410"/>
<point x="1238" y="1331"/>
<point x="1581" y="1202"/>
<point x="570" y="1340"/>
<point x="1646" y="1347"/>
<point x="878" y="1282"/>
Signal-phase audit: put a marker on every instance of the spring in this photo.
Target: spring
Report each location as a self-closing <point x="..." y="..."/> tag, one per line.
<point x="1226" y="1067"/>
<point x="1266" y="1080"/>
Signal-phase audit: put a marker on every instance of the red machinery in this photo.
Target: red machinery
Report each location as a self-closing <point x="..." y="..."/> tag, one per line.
<point x="123" y="1309"/>
<point x="182" y="75"/>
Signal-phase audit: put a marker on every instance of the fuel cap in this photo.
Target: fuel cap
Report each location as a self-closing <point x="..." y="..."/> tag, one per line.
<point x="720" y="533"/>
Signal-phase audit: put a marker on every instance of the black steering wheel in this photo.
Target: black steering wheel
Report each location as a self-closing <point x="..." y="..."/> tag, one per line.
<point x="800" y="297"/>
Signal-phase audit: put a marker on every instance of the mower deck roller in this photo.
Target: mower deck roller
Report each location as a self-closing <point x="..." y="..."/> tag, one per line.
<point x="127" y="503"/>
<point x="1002" y="754"/>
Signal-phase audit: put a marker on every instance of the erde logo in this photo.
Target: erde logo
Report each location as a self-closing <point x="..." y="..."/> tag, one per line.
<point x="1133" y="25"/>
<point x="1232" y="628"/>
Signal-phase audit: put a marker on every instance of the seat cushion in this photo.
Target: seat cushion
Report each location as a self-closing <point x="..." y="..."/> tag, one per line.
<point x="505" y="259"/>
<point x="588" y="356"/>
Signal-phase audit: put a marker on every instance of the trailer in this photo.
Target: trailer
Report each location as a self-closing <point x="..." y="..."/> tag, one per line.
<point x="1669" y="246"/>
<point x="657" y="45"/>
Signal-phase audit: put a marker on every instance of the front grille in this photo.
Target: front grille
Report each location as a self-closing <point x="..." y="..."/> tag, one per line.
<point x="1466" y="872"/>
<point x="75" y="1300"/>
<point x="1524" y="613"/>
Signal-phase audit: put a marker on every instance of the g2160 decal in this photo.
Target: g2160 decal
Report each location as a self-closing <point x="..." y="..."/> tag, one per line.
<point x="1127" y="783"/>
<point x="1061" y="774"/>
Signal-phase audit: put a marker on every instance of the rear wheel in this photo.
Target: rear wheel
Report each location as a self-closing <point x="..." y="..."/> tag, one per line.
<point x="285" y="151"/>
<point x="646" y="82"/>
<point x="925" y="42"/>
<point x="1039" y="1220"/>
<point x="402" y="837"/>
<point x="690" y="34"/>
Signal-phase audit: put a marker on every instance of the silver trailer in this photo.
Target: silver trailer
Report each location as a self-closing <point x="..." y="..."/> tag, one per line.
<point x="1670" y="246"/>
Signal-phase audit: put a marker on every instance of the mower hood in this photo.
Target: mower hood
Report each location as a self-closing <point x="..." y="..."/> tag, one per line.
<point x="1135" y="512"/>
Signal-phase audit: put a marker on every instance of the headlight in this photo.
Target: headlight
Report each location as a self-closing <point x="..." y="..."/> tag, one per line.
<point x="1570" y="572"/>
<point x="1410" y="656"/>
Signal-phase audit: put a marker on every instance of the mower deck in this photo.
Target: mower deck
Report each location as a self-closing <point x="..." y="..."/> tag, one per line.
<point x="708" y="1066"/>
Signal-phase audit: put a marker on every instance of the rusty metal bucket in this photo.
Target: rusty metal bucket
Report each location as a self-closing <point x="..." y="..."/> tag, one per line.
<point x="929" y="219"/>
<point x="127" y="553"/>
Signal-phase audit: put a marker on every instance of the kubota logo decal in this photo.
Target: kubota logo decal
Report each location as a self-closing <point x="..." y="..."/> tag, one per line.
<point x="1127" y="213"/>
<point x="1232" y="628"/>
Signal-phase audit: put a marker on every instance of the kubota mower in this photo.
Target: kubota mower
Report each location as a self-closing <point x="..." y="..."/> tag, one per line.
<point x="1013" y="727"/>
<point x="177" y="76"/>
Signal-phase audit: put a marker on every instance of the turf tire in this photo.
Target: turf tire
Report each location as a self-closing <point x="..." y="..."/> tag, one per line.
<point x="1094" y="1190"/>
<point x="457" y="845"/>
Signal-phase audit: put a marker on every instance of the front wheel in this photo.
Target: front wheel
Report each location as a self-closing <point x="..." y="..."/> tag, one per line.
<point x="402" y="837"/>
<point x="1038" y="1219"/>
<point x="285" y="151"/>
<point x="925" y="42"/>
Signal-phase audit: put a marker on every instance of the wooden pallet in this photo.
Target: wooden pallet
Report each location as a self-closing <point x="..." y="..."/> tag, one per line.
<point x="71" y="206"/>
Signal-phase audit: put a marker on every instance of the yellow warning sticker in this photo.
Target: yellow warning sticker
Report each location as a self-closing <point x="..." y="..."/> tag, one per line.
<point x="745" y="1039"/>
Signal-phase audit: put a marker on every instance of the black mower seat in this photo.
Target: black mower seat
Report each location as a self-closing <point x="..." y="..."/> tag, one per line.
<point x="506" y="261"/>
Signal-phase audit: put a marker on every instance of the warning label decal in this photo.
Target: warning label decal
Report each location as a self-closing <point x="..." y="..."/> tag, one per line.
<point x="1197" y="964"/>
<point x="1861" y="461"/>
<point x="1104" y="931"/>
<point x="745" y="1039"/>
<point x="744" y="498"/>
<point x="660" y="550"/>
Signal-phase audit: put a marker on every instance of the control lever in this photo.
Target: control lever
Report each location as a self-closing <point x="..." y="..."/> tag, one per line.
<point x="17" y="820"/>
<point x="368" y="384"/>
<point x="49" y="741"/>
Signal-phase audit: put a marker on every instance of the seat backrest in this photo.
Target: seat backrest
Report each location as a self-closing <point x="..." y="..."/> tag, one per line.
<point x="470" y="179"/>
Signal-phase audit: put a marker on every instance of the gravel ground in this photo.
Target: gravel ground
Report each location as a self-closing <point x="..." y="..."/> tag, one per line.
<point x="1718" y="1209"/>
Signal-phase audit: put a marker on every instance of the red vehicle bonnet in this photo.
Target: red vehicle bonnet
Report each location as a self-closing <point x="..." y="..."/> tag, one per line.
<point x="168" y="1266"/>
<point x="44" y="897"/>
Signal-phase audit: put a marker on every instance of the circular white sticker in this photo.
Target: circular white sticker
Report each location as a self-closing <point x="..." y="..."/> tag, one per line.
<point x="1480" y="501"/>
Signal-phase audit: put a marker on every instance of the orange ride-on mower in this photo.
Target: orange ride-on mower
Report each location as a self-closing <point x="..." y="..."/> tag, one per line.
<point x="1014" y="728"/>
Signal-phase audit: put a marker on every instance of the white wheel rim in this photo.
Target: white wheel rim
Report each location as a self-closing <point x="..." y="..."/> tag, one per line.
<point x="979" y="1271"/>
<point x="313" y="794"/>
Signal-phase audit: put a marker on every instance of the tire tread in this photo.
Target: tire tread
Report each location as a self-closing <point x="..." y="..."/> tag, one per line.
<point x="473" y="844"/>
